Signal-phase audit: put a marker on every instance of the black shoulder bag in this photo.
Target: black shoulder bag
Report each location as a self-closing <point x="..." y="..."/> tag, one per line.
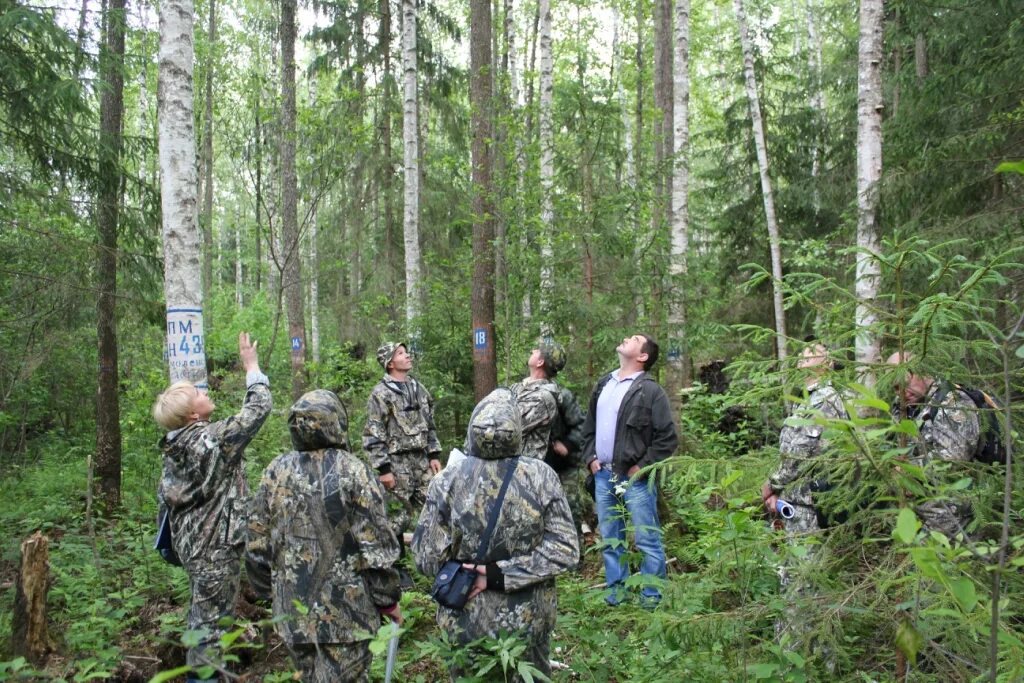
<point x="454" y="582"/>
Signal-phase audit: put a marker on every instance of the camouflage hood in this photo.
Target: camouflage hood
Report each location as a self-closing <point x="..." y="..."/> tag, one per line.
<point x="495" y="429"/>
<point x="318" y="420"/>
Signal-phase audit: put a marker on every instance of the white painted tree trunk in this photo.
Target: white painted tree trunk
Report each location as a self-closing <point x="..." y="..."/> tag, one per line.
<point x="766" y="182"/>
<point x="679" y="357"/>
<point x="547" y="168"/>
<point x="183" y="280"/>
<point x="627" y="123"/>
<point x="817" y="97"/>
<point x="314" y="290"/>
<point x="410" y="139"/>
<point x="869" y="172"/>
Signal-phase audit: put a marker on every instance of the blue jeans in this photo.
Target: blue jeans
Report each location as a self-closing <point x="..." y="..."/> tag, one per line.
<point x="640" y="500"/>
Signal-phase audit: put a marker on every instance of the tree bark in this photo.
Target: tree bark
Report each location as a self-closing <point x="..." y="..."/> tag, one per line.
<point x="292" y="269"/>
<point x="108" y="414"/>
<point x="30" y="637"/>
<point x="869" y="173"/>
<point x="627" y="124"/>
<point x="410" y="138"/>
<point x="386" y="167"/>
<point x="679" y="353"/>
<point x="481" y="88"/>
<point x="766" y="183"/>
<point x="817" y="101"/>
<point x="207" y="217"/>
<point x="920" y="57"/>
<point x="183" y="283"/>
<point x="547" y="168"/>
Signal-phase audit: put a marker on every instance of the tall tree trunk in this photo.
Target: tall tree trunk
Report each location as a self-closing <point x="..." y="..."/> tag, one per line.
<point x="410" y="138"/>
<point x="817" y="102"/>
<point x="314" y="289"/>
<point x="108" y="424"/>
<point x="386" y="168"/>
<point x="183" y="281"/>
<point x="528" y="70"/>
<point x="679" y="353"/>
<point x="547" y="168"/>
<point x="207" y="217"/>
<point x="620" y="90"/>
<point x="481" y="88"/>
<point x="292" y="271"/>
<point x="766" y="183"/>
<point x="920" y="57"/>
<point x="238" y="262"/>
<point x="259" y="194"/>
<point x="869" y="173"/>
<point x="640" y="298"/>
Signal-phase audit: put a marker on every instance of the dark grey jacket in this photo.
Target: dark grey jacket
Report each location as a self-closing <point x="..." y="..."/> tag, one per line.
<point x="644" y="431"/>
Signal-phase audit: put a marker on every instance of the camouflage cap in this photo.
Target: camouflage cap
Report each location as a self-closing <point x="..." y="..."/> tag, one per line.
<point x="387" y="351"/>
<point x="553" y="354"/>
<point x="496" y="428"/>
<point x="318" y="420"/>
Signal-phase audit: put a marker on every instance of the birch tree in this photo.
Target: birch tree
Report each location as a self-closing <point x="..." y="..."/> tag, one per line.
<point x="410" y="139"/>
<point x="679" y="358"/>
<point x="817" y="100"/>
<point x="183" y="283"/>
<point x="547" y="167"/>
<point x="766" y="182"/>
<point x="869" y="172"/>
<point x="627" y="126"/>
<point x="291" y="272"/>
<point x="108" y="425"/>
<point x="207" y="156"/>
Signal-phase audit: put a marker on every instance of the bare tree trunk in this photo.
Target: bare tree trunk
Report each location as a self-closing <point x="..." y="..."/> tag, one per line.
<point x="766" y="183"/>
<point x="292" y="269"/>
<point x="869" y="173"/>
<point x="547" y="168"/>
<point x="314" y="290"/>
<point x="238" y="262"/>
<point x="817" y="102"/>
<point x="386" y="168"/>
<point x="627" y="124"/>
<point x="108" y="420"/>
<point x="640" y="300"/>
<point x="481" y="88"/>
<point x="410" y="138"/>
<point x="183" y="282"/>
<point x="259" y="197"/>
<point x="920" y="57"/>
<point x="207" y="217"/>
<point x="679" y="353"/>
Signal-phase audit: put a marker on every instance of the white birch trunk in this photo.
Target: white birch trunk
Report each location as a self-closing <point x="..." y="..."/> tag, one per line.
<point x="314" y="290"/>
<point x="410" y="139"/>
<point x="238" y="263"/>
<point x="817" y="97"/>
<point x="679" y="357"/>
<point x="869" y="172"/>
<point x="183" y="280"/>
<point x="547" y="167"/>
<point x="766" y="182"/>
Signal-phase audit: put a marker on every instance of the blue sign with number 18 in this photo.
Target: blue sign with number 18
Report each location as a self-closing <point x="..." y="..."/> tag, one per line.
<point x="480" y="338"/>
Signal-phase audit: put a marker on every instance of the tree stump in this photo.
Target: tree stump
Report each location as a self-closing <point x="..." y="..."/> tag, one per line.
<point x="30" y="637"/>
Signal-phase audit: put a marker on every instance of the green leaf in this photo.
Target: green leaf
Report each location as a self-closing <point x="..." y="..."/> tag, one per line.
<point x="964" y="592"/>
<point x="1011" y="167"/>
<point x="300" y="608"/>
<point x="763" y="670"/>
<point x="906" y="526"/>
<point x="1020" y="351"/>
<point x="168" y="675"/>
<point x="909" y="640"/>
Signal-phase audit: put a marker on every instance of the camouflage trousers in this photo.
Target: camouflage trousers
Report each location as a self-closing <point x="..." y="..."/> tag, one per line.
<point x="332" y="662"/>
<point x="214" y="585"/>
<point x="797" y="622"/>
<point x="580" y="503"/>
<point x="406" y="499"/>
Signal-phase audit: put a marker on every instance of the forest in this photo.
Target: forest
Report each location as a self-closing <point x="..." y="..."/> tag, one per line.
<point x="736" y="178"/>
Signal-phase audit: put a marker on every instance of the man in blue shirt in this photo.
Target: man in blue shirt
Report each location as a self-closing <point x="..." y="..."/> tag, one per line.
<point x="628" y="427"/>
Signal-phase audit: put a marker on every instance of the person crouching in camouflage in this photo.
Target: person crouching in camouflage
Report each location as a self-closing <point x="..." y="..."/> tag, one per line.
<point x="400" y="440"/>
<point x="801" y="442"/>
<point x="949" y="432"/>
<point x="532" y="543"/>
<point x="321" y="547"/>
<point x="204" y="487"/>
<point x="536" y="396"/>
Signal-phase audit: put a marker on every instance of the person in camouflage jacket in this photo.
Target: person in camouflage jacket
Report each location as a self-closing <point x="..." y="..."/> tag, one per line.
<point x="533" y="540"/>
<point x="537" y="397"/>
<point x="949" y="431"/>
<point x="320" y="545"/>
<point x="399" y="438"/>
<point x="204" y="487"/>
<point x="801" y="443"/>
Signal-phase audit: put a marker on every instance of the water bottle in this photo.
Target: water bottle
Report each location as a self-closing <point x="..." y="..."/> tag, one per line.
<point x="784" y="509"/>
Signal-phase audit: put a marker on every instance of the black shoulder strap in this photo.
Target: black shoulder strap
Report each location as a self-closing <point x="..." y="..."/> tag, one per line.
<point x="485" y="540"/>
